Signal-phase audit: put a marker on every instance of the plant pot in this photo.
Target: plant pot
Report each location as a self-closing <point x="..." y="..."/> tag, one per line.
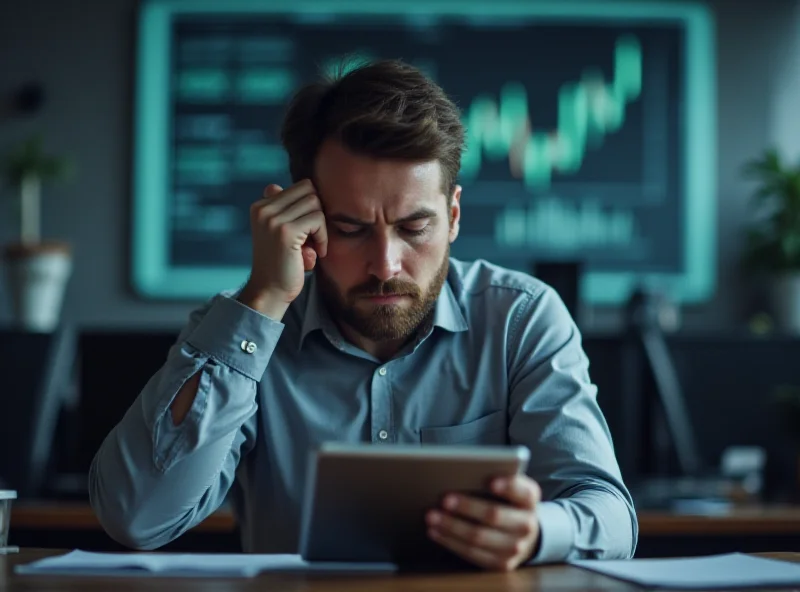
<point x="785" y="301"/>
<point x="37" y="277"/>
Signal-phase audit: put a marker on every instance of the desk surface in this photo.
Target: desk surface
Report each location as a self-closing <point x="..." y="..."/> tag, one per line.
<point x="775" y="520"/>
<point x="530" y="579"/>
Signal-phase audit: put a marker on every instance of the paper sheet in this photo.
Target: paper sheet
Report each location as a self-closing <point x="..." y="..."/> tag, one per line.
<point x="734" y="570"/>
<point x="185" y="565"/>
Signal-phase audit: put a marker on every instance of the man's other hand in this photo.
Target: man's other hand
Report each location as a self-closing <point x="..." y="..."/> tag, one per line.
<point x="494" y="536"/>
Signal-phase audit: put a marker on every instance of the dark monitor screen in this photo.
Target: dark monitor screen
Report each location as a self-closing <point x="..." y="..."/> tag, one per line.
<point x="113" y="368"/>
<point x="35" y="370"/>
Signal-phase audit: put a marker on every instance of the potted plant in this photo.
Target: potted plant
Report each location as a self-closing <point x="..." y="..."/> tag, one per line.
<point x="773" y="239"/>
<point x="37" y="270"/>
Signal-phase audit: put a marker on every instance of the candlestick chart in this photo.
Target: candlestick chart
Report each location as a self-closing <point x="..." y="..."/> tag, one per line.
<point x="584" y="133"/>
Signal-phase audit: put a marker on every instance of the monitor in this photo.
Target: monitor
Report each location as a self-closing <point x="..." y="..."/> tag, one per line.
<point x="590" y="129"/>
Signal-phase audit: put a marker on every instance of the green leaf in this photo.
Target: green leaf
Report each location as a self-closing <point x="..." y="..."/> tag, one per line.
<point x="29" y="159"/>
<point x="773" y="239"/>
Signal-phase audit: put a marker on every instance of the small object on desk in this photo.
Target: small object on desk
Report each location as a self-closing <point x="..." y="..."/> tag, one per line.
<point x="7" y="496"/>
<point x="199" y="565"/>
<point x="733" y="570"/>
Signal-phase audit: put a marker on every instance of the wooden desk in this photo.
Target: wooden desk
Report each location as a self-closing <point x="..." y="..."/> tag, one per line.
<point x="660" y="534"/>
<point x="529" y="579"/>
<point x="783" y="520"/>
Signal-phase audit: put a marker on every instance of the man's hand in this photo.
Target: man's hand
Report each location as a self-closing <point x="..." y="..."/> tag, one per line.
<point x="289" y="233"/>
<point x="491" y="535"/>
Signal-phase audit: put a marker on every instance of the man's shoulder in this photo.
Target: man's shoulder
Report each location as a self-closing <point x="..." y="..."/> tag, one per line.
<point x="481" y="278"/>
<point x="507" y="303"/>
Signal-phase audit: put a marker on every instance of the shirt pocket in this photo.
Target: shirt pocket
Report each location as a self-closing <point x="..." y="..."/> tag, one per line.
<point x="489" y="429"/>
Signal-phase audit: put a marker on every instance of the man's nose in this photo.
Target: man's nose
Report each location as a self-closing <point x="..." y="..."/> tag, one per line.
<point x="384" y="258"/>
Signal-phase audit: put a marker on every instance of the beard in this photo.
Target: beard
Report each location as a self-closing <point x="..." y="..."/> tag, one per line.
<point x="383" y="322"/>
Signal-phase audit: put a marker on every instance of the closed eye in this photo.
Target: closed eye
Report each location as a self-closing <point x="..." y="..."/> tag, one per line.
<point x="353" y="230"/>
<point x="349" y="230"/>
<point x="415" y="230"/>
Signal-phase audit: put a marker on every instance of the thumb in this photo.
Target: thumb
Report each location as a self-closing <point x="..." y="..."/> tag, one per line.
<point x="309" y="257"/>
<point x="520" y="490"/>
<point x="272" y="189"/>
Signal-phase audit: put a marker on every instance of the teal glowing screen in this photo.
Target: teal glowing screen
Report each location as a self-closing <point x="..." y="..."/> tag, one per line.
<point x="590" y="128"/>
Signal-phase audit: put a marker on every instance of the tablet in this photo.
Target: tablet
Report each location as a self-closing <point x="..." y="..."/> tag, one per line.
<point x="367" y="502"/>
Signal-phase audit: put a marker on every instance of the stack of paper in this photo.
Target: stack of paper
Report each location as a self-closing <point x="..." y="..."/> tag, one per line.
<point x="734" y="570"/>
<point x="185" y="565"/>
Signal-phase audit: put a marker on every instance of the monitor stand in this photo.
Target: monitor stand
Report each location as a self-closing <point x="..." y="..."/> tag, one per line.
<point x="694" y="488"/>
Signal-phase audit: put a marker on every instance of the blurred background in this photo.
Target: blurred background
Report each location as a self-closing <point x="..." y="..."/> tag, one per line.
<point x="641" y="157"/>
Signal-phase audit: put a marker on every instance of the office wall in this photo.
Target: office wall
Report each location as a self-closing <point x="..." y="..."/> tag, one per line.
<point x="82" y="51"/>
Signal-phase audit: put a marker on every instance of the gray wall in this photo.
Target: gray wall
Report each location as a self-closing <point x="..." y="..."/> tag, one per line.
<point x="82" y="51"/>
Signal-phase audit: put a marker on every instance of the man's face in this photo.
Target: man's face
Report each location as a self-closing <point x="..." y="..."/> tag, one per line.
<point x="389" y="234"/>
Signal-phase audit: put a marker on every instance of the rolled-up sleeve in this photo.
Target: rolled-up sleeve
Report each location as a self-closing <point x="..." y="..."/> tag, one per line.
<point x="151" y="480"/>
<point x="586" y="510"/>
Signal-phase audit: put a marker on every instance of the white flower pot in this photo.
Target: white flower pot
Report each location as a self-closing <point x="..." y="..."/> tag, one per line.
<point x="785" y="297"/>
<point x="37" y="278"/>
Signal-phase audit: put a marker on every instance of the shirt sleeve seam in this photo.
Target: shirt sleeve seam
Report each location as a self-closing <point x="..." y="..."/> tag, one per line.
<point x="516" y="319"/>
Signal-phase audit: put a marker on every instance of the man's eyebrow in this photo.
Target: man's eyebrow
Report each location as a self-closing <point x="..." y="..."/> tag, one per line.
<point x="420" y="214"/>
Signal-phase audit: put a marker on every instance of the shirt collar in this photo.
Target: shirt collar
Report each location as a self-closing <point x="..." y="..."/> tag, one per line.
<point x="447" y="313"/>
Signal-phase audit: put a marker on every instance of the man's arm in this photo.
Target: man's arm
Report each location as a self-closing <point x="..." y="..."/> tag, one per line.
<point x="587" y="511"/>
<point x="170" y="461"/>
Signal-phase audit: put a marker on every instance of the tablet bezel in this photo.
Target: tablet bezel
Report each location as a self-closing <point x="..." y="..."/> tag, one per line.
<point x="519" y="455"/>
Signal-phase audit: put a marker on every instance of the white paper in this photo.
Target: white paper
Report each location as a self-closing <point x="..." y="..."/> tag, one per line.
<point x="186" y="564"/>
<point x="734" y="570"/>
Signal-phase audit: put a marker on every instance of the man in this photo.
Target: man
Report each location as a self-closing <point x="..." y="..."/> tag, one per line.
<point x="356" y="325"/>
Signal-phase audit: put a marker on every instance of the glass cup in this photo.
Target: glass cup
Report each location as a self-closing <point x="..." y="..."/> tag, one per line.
<point x="6" y="498"/>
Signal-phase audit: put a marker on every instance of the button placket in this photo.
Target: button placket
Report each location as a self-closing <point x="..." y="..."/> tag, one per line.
<point x="381" y="403"/>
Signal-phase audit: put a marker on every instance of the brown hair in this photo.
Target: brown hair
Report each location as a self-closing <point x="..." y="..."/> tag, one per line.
<point x="385" y="109"/>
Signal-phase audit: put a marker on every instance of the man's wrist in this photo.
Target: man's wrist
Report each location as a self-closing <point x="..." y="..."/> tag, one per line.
<point x="556" y="534"/>
<point x="263" y="302"/>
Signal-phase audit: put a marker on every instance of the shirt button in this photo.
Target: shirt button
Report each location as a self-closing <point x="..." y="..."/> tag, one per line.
<point x="248" y="346"/>
<point x="383" y="434"/>
<point x="382" y="371"/>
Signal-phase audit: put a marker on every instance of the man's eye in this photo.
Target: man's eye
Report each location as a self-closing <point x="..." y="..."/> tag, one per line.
<point x="415" y="230"/>
<point x="349" y="230"/>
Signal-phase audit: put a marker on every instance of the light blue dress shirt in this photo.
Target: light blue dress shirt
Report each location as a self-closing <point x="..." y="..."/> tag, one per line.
<point x="501" y="363"/>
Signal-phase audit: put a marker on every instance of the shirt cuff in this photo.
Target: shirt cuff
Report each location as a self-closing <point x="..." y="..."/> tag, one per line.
<point x="237" y="336"/>
<point x="555" y="534"/>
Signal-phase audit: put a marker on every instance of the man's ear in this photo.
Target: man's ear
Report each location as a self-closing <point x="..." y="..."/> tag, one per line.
<point x="455" y="213"/>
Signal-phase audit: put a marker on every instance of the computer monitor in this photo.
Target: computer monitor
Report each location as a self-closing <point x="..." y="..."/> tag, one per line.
<point x="590" y="130"/>
<point x="36" y="381"/>
<point x="113" y="368"/>
<point x="565" y="278"/>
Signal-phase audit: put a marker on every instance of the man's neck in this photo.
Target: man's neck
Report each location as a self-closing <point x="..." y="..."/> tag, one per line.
<point x="382" y="350"/>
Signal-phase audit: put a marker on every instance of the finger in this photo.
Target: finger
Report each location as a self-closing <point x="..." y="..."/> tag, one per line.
<point x="520" y="490"/>
<point x="309" y="258"/>
<point x="272" y="190"/>
<point x="305" y="205"/>
<point x="313" y="225"/>
<point x="475" y="555"/>
<point x="274" y="201"/>
<point x="475" y="535"/>
<point x="299" y="189"/>
<point x="492" y="514"/>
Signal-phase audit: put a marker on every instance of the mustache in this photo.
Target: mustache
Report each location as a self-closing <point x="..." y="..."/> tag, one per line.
<point x="394" y="287"/>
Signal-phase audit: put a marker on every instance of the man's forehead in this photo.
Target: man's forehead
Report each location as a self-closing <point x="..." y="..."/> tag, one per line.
<point x="381" y="205"/>
<point x="341" y="170"/>
<point x="391" y="214"/>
